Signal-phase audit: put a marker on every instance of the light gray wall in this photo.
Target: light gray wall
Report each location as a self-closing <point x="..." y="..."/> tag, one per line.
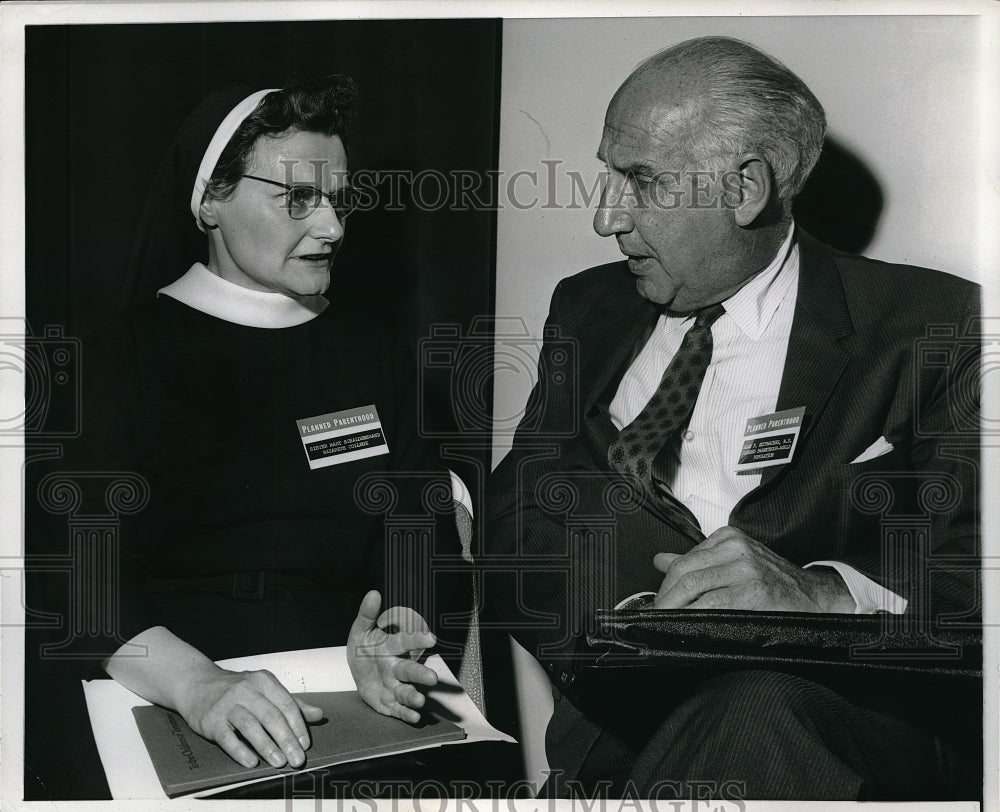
<point x="899" y="92"/>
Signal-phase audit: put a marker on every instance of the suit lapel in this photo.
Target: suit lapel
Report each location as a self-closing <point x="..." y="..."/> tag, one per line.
<point x="622" y="336"/>
<point x="621" y="333"/>
<point x="816" y="353"/>
<point x="815" y="361"/>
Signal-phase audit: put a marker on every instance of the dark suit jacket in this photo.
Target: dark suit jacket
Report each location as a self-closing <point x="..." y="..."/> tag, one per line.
<point x="876" y="350"/>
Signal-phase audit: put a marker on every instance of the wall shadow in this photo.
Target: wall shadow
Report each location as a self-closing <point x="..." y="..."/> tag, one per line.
<point x="842" y="201"/>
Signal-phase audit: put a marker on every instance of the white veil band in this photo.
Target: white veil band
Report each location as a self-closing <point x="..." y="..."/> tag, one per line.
<point x="218" y="143"/>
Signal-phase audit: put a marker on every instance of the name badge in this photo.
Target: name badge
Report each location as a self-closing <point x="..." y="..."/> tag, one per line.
<point x="770" y="439"/>
<point x="339" y="437"/>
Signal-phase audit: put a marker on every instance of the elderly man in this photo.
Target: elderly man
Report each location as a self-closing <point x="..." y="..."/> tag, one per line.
<point x="737" y="378"/>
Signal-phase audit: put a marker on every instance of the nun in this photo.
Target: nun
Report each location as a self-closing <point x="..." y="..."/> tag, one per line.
<point x="274" y="426"/>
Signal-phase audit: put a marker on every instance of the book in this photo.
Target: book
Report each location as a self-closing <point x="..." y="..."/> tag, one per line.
<point x="186" y="762"/>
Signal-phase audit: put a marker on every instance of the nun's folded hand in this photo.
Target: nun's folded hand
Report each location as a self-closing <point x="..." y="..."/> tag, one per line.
<point x="219" y="704"/>
<point x="382" y="652"/>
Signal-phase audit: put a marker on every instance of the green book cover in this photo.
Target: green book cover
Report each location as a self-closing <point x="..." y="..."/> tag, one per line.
<point x="186" y="762"/>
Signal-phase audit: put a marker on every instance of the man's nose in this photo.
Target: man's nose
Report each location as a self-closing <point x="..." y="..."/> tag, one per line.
<point x="612" y="215"/>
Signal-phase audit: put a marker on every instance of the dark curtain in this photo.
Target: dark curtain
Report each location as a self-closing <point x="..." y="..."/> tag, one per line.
<point x="102" y="105"/>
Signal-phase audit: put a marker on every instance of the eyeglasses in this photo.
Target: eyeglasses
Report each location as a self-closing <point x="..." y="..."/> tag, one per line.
<point x="301" y="201"/>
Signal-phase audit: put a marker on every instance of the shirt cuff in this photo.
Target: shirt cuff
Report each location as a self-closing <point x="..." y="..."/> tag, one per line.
<point x="869" y="597"/>
<point x="640" y="600"/>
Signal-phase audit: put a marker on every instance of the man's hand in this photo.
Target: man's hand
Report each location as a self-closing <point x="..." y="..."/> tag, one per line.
<point x="729" y="570"/>
<point x="218" y="704"/>
<point x="384" y="663"/>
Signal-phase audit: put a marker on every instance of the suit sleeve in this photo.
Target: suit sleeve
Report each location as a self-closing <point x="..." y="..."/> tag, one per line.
<point x="527" y="597"/>
<point x="555" y="514"/>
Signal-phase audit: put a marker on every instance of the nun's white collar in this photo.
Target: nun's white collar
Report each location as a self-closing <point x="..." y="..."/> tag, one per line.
<point x="203" y="290"/>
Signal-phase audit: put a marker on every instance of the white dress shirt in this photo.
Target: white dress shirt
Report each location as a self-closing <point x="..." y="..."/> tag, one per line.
<point x="750" y="342"/>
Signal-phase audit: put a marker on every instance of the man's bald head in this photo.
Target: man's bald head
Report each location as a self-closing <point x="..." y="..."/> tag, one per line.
<point x="714" y="98"/>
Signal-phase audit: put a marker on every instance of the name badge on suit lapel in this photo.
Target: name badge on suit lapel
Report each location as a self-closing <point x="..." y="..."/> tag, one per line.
<point x="345" y="436"/>
<point x="770" y="439"/>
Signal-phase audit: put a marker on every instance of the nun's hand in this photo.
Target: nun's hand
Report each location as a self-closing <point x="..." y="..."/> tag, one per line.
<point x="218" y="704"/>
<point x="382" y="653"/>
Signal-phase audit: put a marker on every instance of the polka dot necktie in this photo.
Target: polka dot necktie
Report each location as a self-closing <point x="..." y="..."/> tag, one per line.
<point x="633" y="454"/>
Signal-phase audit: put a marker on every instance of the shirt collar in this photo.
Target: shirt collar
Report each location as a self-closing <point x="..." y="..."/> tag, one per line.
<point x="753" y="306"/>
<point x="203" y="290"/>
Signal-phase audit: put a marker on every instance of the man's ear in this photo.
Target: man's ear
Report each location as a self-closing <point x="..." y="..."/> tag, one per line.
<point x="750" y="188"/>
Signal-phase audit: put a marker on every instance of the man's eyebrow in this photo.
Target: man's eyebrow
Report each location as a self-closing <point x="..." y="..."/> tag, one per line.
<point x="641" y="168"/>
<point x="634" y="168"/>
